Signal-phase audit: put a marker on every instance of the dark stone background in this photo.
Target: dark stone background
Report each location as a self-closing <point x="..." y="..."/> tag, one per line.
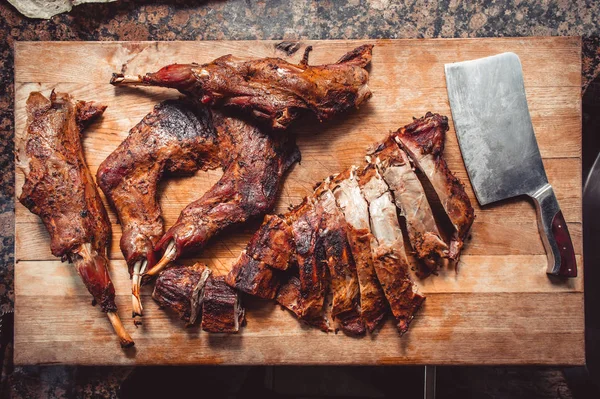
<point x="290" y="20"/>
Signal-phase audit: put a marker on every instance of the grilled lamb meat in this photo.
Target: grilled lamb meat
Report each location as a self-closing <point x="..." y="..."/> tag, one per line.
<point x="272" y="89"/>
<point x="350" y="200"/>
<point x="177" y="136"/>
<point x="254" y="164"/>
<point x="289" y="296"/>
<point x="387" y="246"/>
<point x="182" y="290"/>
<point x="253" y="277"/>
<point x="59" y="188"/>
<point x="222" y="311"/>
<point x="340" y="262"/>
<point x="409" y="196"/>
<point x="273" y="243"/>
<point x="424" y="140"/>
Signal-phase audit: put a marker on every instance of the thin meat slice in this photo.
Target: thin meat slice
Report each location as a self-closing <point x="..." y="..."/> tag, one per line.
<point x="60" y="189"/>
<point x="350" y="200"/>
<point x="273" y="243"/>
<point x="342" y="269"/>
<point x="254" y="163"/>
<point x="271" y="89"/>
<point x="424" y="141"/>
<point x="181" y="289"/>
<point x="409" y="196"/>
<point x="253" y="277"/>
<point x="222" y="311"/>
<point x="176" y="137"/>
<point x="289" y="296"/>
<point x="387" y="246"/>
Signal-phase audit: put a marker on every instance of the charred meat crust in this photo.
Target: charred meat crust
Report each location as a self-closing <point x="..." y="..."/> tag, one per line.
<point x="270" y="89"/>
<point x="254" y="164"/>
<point x="273" y="243"/>
<point x="424" y="141"/>
<point x="222" y="311"/>
<point x="181" y="289"/>
<point x="288" y="296"/>
<point x="253" y="277"/>
<point x="176" y="137"/>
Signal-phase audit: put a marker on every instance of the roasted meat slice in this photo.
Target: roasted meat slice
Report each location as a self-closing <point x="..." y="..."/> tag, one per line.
<point x="253" y="277"/>
<point x="59" y="188"/>
<point x="177" y="136"/>
<point x="254" y="163"/>
<point x="222" y="311"/>
<point x="387" y="246"/>
<point x="310" y="258"/>
<point x="424" y="141"/>
<point x="181" y="289"/>
<point x="272" y="89"/>
<point x="350" y="200"/>
<point x="342" y="269"/>
<point x="273" y="243"/>
<point x="288" y="296"/>
<point x="410" y="197"/>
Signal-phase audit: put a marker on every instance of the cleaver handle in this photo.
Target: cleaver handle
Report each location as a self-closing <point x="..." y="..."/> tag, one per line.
<point x="555" y="234"/>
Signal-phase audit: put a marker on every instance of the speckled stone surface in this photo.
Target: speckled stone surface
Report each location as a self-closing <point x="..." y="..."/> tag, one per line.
<point x="250" y="19"/>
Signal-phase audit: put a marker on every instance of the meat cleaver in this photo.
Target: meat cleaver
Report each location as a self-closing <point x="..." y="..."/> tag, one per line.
<point x="498" y="145"/>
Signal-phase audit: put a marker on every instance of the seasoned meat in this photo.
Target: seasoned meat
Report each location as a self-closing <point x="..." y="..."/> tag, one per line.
<point x="177" y="136"/>
<point x="253" y="277"/>
<point x="410" y="197"/>
<point x="387" y="246"/>
<point x="273" y="243"/>
<point x="350" y="200"/>
<point x="222" y="311"/>
<point x="271" y="89"/>
<point x="254" y="163"/>
<point x="182" y="290"/>
<point x="289" y="296"/>
<point x="424" y="141"/>
<point x="59" y="188"/>
<point x="334" y="233"/>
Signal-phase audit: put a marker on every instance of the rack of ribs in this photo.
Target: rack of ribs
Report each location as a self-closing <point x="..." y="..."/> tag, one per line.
<point x="176" y="137"/>
<point x="59" y="188"/>
<point x="254" y="163"/>
<point x="270" y="89"/>
<point x="424" y="141"/>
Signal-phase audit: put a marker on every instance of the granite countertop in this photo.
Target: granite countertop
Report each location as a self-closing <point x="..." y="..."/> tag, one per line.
<point x="251" y="19"/>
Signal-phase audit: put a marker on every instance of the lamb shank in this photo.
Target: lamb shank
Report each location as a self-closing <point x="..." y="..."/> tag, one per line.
<point x="271" y="89"/>
<point x="59" y="188"/>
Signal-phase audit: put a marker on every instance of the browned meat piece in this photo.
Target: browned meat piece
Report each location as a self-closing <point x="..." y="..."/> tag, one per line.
<point x="273" y="243"/>
<point x="254" y="165"/>
<point x="342" y="269"/>
<point x="410" y="197"/>
<point x="310" y="258"/>
<point x="351" y="202"/>
<point x="182" y="290"/>
<point x="253" y="277"/>
<point x="222" y="311"/>
<point x="59" y="188"/>
<point x="270" y="88"/>
<point x="289" y="296"/>
<point x="424" y="141"/>
<point x="177" y="136"/>
<point x="387" y="246"/>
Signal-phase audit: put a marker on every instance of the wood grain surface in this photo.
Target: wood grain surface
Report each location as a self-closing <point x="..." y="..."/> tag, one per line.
<point x="500" y="308"/>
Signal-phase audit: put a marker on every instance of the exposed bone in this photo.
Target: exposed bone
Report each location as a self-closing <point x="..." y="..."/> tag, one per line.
<point x="168" y="257"/>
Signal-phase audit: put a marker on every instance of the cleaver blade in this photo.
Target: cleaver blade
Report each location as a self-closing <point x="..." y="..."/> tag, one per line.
<point x="498" y="145"/>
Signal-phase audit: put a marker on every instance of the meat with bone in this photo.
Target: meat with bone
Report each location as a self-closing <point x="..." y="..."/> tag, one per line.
<point x="387" y="246"/>
<point x="253" y="277"/>
<point x="59" y="188"/>
<point x="424" y="141"/>
<point x="177" y="136"/>
<point x="182" y="290"/>
<point x="272" y="89"/>
<point x="254" y="164"/>
<point x="288" y="296"/>
<point x="273" y="243"/>
<point x="410" y="197"/>
<point x="350" y="200"/>
<point x="222" y="311"/>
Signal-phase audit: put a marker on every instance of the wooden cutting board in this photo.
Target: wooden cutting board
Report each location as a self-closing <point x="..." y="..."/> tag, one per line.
<point x="500" y="308"/>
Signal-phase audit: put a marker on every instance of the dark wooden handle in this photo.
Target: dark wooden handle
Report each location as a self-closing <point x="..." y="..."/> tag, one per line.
<point x="568" y="265"/>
